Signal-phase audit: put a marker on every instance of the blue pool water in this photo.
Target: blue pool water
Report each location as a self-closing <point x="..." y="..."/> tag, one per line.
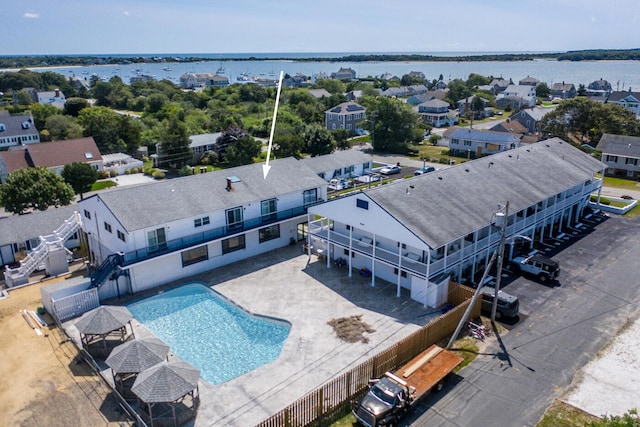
<point x="209" y="332"/>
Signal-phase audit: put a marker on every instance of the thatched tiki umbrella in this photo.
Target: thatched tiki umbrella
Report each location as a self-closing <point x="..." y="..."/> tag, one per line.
<point x="129" y="359"/>
<point x="102" y="328"/>
<point x="168" y="393"/>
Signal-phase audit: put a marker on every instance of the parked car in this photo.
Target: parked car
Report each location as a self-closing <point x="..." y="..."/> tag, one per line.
<point x="508" y="305"/>
<point x="339" y="184"/>
<point x="538" y="265"/>
<point x="390" y="169"/>
<point x="424" y="170"/>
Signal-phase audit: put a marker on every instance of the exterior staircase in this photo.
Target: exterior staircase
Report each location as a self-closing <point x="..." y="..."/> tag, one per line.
<point x="20" y="275"/>
<point x="106" y="270"/>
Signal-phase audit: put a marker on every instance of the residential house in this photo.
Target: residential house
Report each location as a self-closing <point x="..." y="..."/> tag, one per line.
<point x="440" y="85"/>
<point x="563" y="90"/>
<point x="319" y="93"/>
<point x="17" y="130"/>
<point x="378" y="232"/>
<point x="530" y="117"/>
<point x="417" y="74"/>
<point x="529" y="81"/>
<point x="621" y="154"/>
<point x="498" y="85"/>
<point x="465" y="104"/>
<point x="353" y="95"/>
<point x="340" y="164"/>
<point x="478" y="142"/>
<point x="510" y="126"/>
<point x="440" y="94"/>
<point x="51" y="155"/>
<point x="345" y="74"/>
<point x="516" y="97"/>
<point x="202" y="80"/>
<point x="54" y="97"/>
<point x="627" y="99"/>
<point x="142" y="78"/>
<point x="20" y="234"/>
<point x="436" y="113"/>
<point x="160" y="232"/>
<point x="202" y="144"/>
<point x="599" y="88"/>
<point x="347" y="115"/>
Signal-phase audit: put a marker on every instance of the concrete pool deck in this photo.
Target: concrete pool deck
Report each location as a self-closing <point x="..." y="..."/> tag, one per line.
<point x="283" y="284"/>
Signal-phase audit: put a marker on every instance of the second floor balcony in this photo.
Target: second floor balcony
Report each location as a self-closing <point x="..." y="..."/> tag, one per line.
<point x="168" y="246"/>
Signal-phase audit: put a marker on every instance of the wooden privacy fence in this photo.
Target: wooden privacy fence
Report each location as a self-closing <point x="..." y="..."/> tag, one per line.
<point x="334" y="399"/>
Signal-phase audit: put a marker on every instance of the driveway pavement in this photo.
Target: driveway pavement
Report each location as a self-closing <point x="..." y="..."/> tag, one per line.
<point x="562" y="327"/>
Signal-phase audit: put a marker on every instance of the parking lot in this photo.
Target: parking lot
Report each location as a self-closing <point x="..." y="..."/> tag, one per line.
<point x="562" y="326"/>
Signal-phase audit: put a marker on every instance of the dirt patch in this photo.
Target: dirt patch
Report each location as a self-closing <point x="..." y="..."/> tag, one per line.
<point x="41" y="381"/>
<point x="351" y="329"/>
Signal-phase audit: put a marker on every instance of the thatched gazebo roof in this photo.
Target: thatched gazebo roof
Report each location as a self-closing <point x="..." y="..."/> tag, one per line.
<point x="137" y="355"/>
<point x="166" y="382"/>
<point x="104" y="319"/>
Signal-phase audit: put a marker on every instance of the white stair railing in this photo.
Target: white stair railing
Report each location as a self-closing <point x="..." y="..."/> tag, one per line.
<point x="20" y="275"/>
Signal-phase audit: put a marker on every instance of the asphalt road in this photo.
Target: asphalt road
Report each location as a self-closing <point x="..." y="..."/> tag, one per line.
<point x="561" y="327"/>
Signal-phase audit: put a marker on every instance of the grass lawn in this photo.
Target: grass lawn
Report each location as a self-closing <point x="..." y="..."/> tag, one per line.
<point x="433" y="153"/>
<point x="560" y="414"/>
<point x="101" y="185"/>
<point x="628" y="184"/>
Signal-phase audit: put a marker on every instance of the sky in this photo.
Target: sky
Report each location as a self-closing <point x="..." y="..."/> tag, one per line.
<point x="41" y="27"/>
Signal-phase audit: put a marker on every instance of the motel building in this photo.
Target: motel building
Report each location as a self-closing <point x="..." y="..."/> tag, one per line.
<point x="420" y="232"/>
<point x="148" y="235"/>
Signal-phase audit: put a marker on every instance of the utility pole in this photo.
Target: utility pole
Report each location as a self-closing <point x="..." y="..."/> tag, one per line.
<point x="494" y="306"/>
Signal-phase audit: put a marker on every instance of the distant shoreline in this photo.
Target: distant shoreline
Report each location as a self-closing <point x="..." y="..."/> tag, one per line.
<point x="38" y="61"/>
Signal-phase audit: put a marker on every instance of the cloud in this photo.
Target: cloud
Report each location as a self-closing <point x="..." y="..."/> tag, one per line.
<point x="126" y="12"/>
<point x="31" y="15"/>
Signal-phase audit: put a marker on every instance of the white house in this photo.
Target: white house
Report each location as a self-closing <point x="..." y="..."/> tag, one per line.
<point x="477" y="142"/>
<point x="341" y="164"/>
<point x="17" y="130"/>
<point x="621" y="154"/>
<point x="156" y="233"/>
<point x="417" y="233"/>
<point x="520" y="96"/>
<point x="52" y="97"/>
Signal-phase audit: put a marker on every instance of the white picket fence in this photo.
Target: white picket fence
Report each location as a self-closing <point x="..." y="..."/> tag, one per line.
<point x="74" y="305"/>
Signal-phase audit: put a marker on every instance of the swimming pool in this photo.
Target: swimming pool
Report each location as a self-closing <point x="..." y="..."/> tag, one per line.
<point x="211" y="333"/>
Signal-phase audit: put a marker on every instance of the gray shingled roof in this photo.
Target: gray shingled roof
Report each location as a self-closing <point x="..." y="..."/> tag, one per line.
<point x="20" y="228"/>
<point x="619" y="145"/>
<point x="204" y="139"/>
<point x="336" y="160"/>
<point x="166" y="382"/>
<point x="619" y="95"/>
<point x="479" y="135"/>
<point x="137" y="355"/>
<point x="142" y="206"/>
<point x="104" y="319"/>
<point x="450" y="203"/>
<point x="13" y="125"/>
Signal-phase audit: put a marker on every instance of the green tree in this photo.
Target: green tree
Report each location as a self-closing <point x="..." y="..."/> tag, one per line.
<point x="318" y="140"/>
<point x="80" y="176"/>
<point x="24" y="98"/>
<point x="63" y="127"/>
<point x="584" y="120"/>
<point x="102" y="124"/>
<point x="341" y="139"/>
<point x="175" y="143"/>
<point x="41" y="112"/>
<point x="73" y="105"/>
<point x="37" y="188"/>
<point x="392" y="124"/>
<point x="333" y="86"/>
<point x="458" y="90"/>
<point x="243" y="151"/>
<point x="287" y="142"/>
<point x="542" y="90"/>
